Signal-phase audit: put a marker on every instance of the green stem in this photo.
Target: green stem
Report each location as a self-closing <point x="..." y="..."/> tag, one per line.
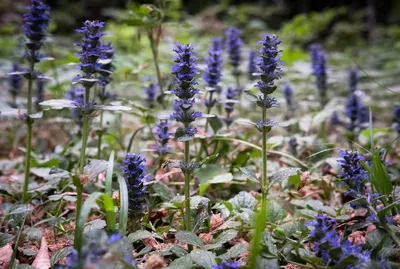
<point x="100" y="135"/>
<point x="208" y="112"/>
<point x="29" y="136"/>
<point x="187" y="189"/>
<point x="79" y="186"/>
<point x="264" y="188"/>
<point x="27" y="162"/>
<point x="155" y="59"/>
<point x="15" y="250"/>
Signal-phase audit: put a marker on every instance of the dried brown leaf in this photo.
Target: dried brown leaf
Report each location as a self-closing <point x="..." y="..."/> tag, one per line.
<point x="42" y="260"/>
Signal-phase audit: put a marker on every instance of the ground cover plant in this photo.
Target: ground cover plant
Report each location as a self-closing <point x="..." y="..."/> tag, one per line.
<point x="152" y="140"/>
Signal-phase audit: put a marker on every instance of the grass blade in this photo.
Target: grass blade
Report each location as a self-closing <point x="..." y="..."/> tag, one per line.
<point x="124" y="205"/>
<point x="80" y="223"/>
<point x="110" y="168"/>
<point x="109" y="211"/>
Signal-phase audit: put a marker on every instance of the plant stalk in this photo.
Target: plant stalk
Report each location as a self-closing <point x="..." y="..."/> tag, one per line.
<point x="79" y="186"/>
<point x="264" y="188"/>
<point x="187" y="189"/>
<point x="100" y="135"/>
<point x="29" y="136"/>
<point x="155" y="59"/>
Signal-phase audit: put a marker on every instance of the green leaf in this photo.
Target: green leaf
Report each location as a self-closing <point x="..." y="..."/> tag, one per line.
<point x="223" y="238"/>
<point x="94" y="168"/>
<point x="181" y="263"/>
<point x="110" y="168"/>
<point x="139" y="235"/>
<point x="96" y="224"/>
<point x="379" y="176"/>
<point x="212" y="174"/>
<point x="283" y="174"/>
<point x="275" y="213"/>
<point x="178" y="251"/>
<point x="85" y="211"/>
<point x="108" y="205"/>
<point x="335" y="253"/>
<point x="374" y="237"/>
<point x="216" y="124"/>
<point x="25" y="266"/>
<point x="307" y="255"/>
<point x="58" y="255"/>
<point x="234" y="252"/>
<point x="270" y="244"/>
<point x="263" y="263"/>
<point x="243" y="200"/>
<point x="162" y="190"/>
<point x="203" y="258"/>
<point x="249" y="174"/>
<point x="50" y="173"/>
<point x="124" y="205"/>
<point x="5" y="238"/>
<point x="189" y="238"/>
<point x="208" y="172"/>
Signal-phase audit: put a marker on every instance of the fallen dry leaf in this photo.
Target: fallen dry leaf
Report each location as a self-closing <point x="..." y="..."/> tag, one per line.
<point x="5" y="253"/>
<point x="42" y="260"/>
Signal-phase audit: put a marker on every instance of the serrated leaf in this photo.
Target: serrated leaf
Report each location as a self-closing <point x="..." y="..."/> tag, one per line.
<point x="223" y="238"/>
<point x="249" y="174"/>
<point x="58" y="255"/>
<point x="203" y="258"/>
<point x="20" y="209"/>
<point x="181" y="263"/>
<point x="50" y="173"/>
<point x="243" y="200"/>
<point x="270" y="244"/>
<point x="189" y="238"/>
<point x="94" y="168"/>
<point x="275" y="213"/>
<point x="96" y="224"/>
<point x="178" y="251"/>
<point x="234" y="252"/>
<point x="283" y="174"/>
<point x="139" y="235"/>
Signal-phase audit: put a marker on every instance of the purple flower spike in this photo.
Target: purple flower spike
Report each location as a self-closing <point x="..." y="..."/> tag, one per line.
<point x="162" y="134"/>
<point x="234" y="45"/>
<point x="353" y="174"/>
<point x="36" y="23"/>
<point x="185" y="69"/>
<point x="252" y="67"/>
<point x="133" y="171"/>
<point x="214" y="61"/>
<point x="318" y="62"/>
<point x="396" y="118"/>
